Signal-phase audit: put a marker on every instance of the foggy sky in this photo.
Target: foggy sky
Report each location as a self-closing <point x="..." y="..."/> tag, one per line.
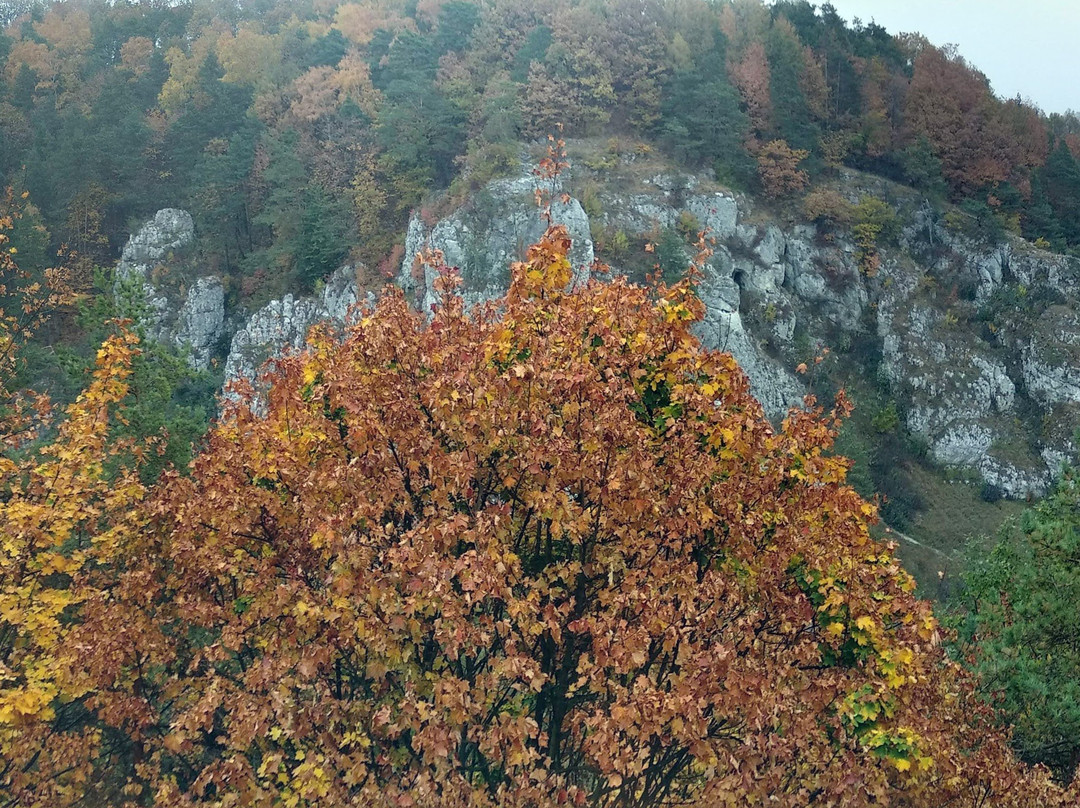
<point x="1025" y="47"/>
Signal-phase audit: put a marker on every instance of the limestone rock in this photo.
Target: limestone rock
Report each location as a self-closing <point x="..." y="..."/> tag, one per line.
<point x="169" y="230"/>
<point x="966" y="369"/>
<point x="190" y="318"/>
<point x="201" y="321"/>
<point x="482" y="238"/>
<point x="1050" y="359"/>
<point x="283" y="324"/>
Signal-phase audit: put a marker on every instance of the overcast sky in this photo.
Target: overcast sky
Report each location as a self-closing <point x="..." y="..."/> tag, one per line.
<point x="1025" y="47"/>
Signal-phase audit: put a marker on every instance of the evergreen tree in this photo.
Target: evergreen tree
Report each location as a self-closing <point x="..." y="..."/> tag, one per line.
<point x="922" y="168"/>
<point x="1061" y="181"/>
<point x="322" y="240"/>
<point x="533" y="49"/>
<point x="1039" y="219"/>
<point x="327" y="50"/>
<point x="218" y="110"/>
<point x="703" y="122"/>
<point x="792" y="117"/>
<point x="1020" y="625"/>
<point x="457" y="19"/>
<point x="219" y="194"/>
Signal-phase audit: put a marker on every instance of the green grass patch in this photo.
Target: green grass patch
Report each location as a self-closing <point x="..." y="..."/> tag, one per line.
<point x="954" y="515"/>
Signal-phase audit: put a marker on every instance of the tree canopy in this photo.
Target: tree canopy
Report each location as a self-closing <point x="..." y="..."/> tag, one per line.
<point x="541" y="552"/>
<point x="1020" y="628"/>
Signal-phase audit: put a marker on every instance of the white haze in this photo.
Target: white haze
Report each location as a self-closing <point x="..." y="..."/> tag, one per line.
<point x="1025" y="47"/>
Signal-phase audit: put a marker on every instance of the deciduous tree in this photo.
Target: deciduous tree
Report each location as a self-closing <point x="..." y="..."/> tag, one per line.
<point x="55" y="525"/>
<point x="750" y="75"/>
<point x="547" y="551"/>
<point x="778" y="169"/>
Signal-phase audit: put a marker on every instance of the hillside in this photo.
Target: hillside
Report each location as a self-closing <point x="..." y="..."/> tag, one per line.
<point x="875" y="200"/>
<point x="501" y="404"/>
<point x="293" y="134"/>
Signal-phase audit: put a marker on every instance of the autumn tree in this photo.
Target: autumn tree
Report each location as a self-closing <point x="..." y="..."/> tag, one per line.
<point x="28" y="295"/>
<point x="950" y="103"/>
<point x="778" y="169"/>
<point x="64" y="514"/>
<point x="575" y="83"/>
<point x="750" y="75"/>
<point x="827" y="208"/>
<point x="85" y="234"/>
<point x="545" y="551"/>
<point x="631" y="40"/>
<point x="53" y="528"/>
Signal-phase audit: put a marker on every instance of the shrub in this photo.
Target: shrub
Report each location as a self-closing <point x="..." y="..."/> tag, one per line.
<point x="688" y="225"/>
<point x="875" y="222"/>
<point x="827" y="208"/>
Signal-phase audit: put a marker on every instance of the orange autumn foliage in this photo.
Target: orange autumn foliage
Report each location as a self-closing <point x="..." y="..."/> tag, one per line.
<point x="778" y="169"/>
<point x="546" y="551"/>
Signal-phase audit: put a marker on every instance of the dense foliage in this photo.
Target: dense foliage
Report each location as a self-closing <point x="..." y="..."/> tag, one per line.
<point x="548" y="551"/>
<point x="65" y="501"/>
<point x="545" y="552"/>
<point x="1021" y="628"/>
<point x="354" y="111"/>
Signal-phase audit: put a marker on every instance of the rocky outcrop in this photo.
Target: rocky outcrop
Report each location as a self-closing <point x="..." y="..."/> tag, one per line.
<point x="495" y="228"/>
<point x="201" y="322"/>
<point x="990" y="388"/>
<point x="482" y="238"/>
<point x="979" y="344"/>
<point x="284" y="324"/>
<point x="170" y="231"/>
<point x="158" y="284"/>
<point x="171" y="304"/>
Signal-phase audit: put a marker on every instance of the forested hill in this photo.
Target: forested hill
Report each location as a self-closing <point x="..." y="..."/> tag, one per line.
<point x="301" y="132"/>
<point x="501" y="537"/>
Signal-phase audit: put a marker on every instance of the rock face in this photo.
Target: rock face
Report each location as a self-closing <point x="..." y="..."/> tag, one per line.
<point x="493" y="229"/>
<point x="201" y="322"/>
<point x="171" y="230"/>
<point x="158" y="283"/>
<point x="172" y="307"/>
<point x="284" y="324"/>
<point x="980" y="344"/>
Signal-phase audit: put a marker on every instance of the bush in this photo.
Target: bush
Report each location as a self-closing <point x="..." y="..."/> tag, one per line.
<point x="983" y="223"/>
<point x="887" y="419"/>
<point x="671" y="256"/>
<point x="827" y="208"/>
<point x="875" y="223"/>
<point x="688" y="225"/>
<point x="778" y="169"/>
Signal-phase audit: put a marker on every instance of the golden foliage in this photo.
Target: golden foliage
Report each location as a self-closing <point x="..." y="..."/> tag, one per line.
<point x="545" y="551"/>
